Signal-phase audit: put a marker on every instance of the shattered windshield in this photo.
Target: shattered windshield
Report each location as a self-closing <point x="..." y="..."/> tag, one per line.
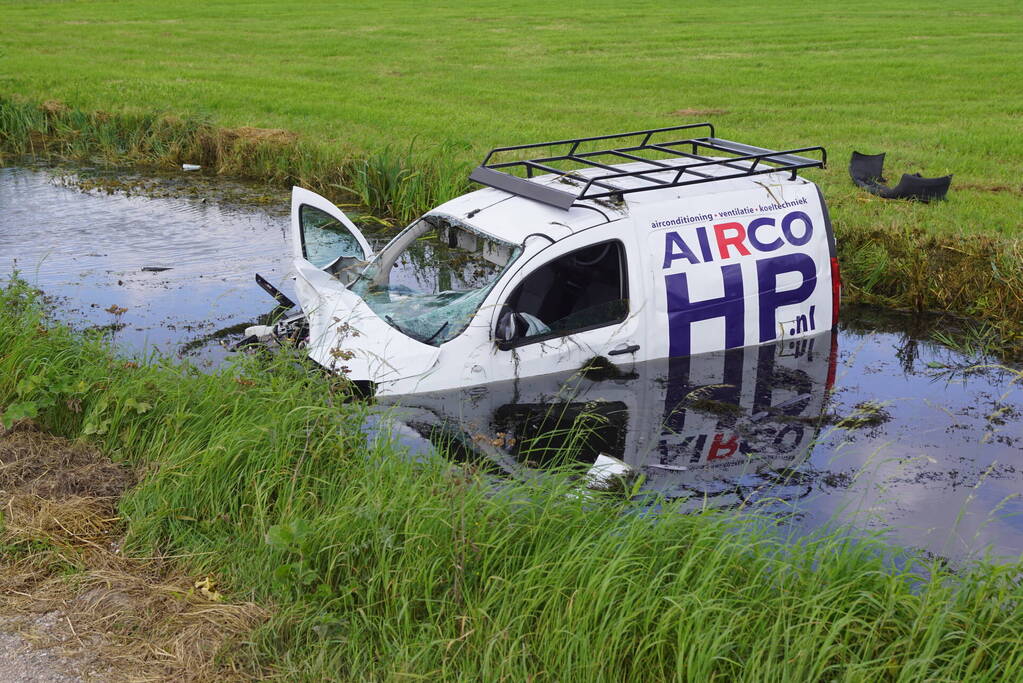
<point x="431" y="279"/>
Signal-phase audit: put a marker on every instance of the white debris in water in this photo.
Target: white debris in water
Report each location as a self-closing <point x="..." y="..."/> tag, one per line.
<point x="604" y="471"/>
<point x="190" y="167"/>
<point x="262" y="333"/>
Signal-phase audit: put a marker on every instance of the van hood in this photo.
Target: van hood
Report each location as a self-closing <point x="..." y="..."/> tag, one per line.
<point x="347" y="337"/>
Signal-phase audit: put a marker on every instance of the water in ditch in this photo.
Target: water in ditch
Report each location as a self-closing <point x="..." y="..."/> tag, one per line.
<point x="875" y="423"/>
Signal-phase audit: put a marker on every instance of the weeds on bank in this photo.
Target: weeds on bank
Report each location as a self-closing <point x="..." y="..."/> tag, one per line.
<point x="261" y="475"/>
<point x="981" y="277"/>
<point x="395" y="182"/>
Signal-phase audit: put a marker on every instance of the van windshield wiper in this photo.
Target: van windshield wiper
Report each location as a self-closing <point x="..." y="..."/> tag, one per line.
<point x="434" y="335"/>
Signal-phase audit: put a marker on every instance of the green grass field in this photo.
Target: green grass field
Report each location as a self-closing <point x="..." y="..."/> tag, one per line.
<point x="937" y="87"/>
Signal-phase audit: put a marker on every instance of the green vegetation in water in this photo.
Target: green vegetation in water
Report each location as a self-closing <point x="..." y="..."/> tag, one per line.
<point x="377" y="567"/>
<point x="865" y="414"/>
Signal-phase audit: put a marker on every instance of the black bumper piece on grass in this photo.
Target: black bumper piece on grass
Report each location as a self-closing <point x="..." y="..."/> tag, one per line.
<point x="866" y="171"/>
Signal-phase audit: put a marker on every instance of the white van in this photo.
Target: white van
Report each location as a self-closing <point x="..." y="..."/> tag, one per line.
<point x="629" y="247"/>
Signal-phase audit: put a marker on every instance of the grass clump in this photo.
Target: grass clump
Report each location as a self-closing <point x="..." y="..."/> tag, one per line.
<point x="377" y="567"/>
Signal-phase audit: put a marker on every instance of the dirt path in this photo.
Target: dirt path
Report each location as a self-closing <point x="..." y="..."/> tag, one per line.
<point x="21" y="661"/>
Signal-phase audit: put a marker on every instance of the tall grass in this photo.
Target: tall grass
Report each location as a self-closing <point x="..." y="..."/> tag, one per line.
<point x="378" y="567"/>
<point x="395" y="182"/>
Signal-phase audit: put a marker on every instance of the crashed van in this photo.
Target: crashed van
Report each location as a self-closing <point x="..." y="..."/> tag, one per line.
<point x="630" y="247"/>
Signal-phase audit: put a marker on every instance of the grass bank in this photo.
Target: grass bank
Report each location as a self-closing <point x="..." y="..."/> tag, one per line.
<point x="64" y="581"/>
<point x="375" y="567"/>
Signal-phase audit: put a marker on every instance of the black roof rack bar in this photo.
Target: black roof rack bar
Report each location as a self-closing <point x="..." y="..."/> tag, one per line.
<point x="747" y="171"/>
<point x="803" y="162"/>
<point x="523" y="188"/>
<point x="800" y="162"/>
<point x="666" y="147"/>
<point x="575" y="142"/>
<point x="585" y="194"/>
<point x="663" y="147"/>
<point x="636" y="157"/>
<point x="663" y="165"/>
<point x="579" y="157"/>
<point x="785" y="157"/>
<point x="569" y="174"/>
<point x="748" y="161"/>
<point x="612" y="168"/>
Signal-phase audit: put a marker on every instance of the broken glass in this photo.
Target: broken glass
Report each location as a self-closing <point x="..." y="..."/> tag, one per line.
<point x="430" y="280"/>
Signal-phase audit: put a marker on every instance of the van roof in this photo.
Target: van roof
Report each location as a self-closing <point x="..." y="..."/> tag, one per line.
<point x="583" y="181"/>
<point x="513" y="218"/>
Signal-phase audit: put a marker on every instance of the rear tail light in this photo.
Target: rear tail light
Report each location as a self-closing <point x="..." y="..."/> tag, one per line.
<point x="836" y="290"/>
<point x="832" y="364"/>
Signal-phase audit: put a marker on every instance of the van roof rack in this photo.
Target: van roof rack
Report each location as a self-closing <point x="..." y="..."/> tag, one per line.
<point x="748" y="161"/>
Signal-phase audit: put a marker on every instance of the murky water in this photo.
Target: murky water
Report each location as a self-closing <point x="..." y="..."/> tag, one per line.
<point x="181" y="267"/>
<point x="873" y="424"/>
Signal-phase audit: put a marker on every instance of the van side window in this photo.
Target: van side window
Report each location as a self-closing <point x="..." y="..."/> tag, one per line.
<point x="579" y="291"/>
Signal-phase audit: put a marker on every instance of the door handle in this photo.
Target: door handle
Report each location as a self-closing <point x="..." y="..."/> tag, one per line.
<point x="632" y="348"/>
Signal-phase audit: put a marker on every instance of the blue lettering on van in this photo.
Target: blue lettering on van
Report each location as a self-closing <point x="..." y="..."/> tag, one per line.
<point x="672" y="241"/>
<point x="701" y="237"/>
<point x="751" y="232"/>
<point x="764" y="234"/>
<point x="786" y="228"/>
<point x="771" y="299"/>
<point x="683" y="312"/>
<point x="732" y="238"/>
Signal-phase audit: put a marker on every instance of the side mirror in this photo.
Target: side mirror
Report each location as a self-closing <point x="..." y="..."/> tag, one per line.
<point x="510" y="327"/>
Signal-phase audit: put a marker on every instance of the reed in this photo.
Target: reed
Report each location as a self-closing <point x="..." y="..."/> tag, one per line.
<point x="393" y="182"/>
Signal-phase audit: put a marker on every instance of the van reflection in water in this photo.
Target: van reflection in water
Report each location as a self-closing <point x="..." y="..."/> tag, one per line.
<point x="723" y="429"/>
